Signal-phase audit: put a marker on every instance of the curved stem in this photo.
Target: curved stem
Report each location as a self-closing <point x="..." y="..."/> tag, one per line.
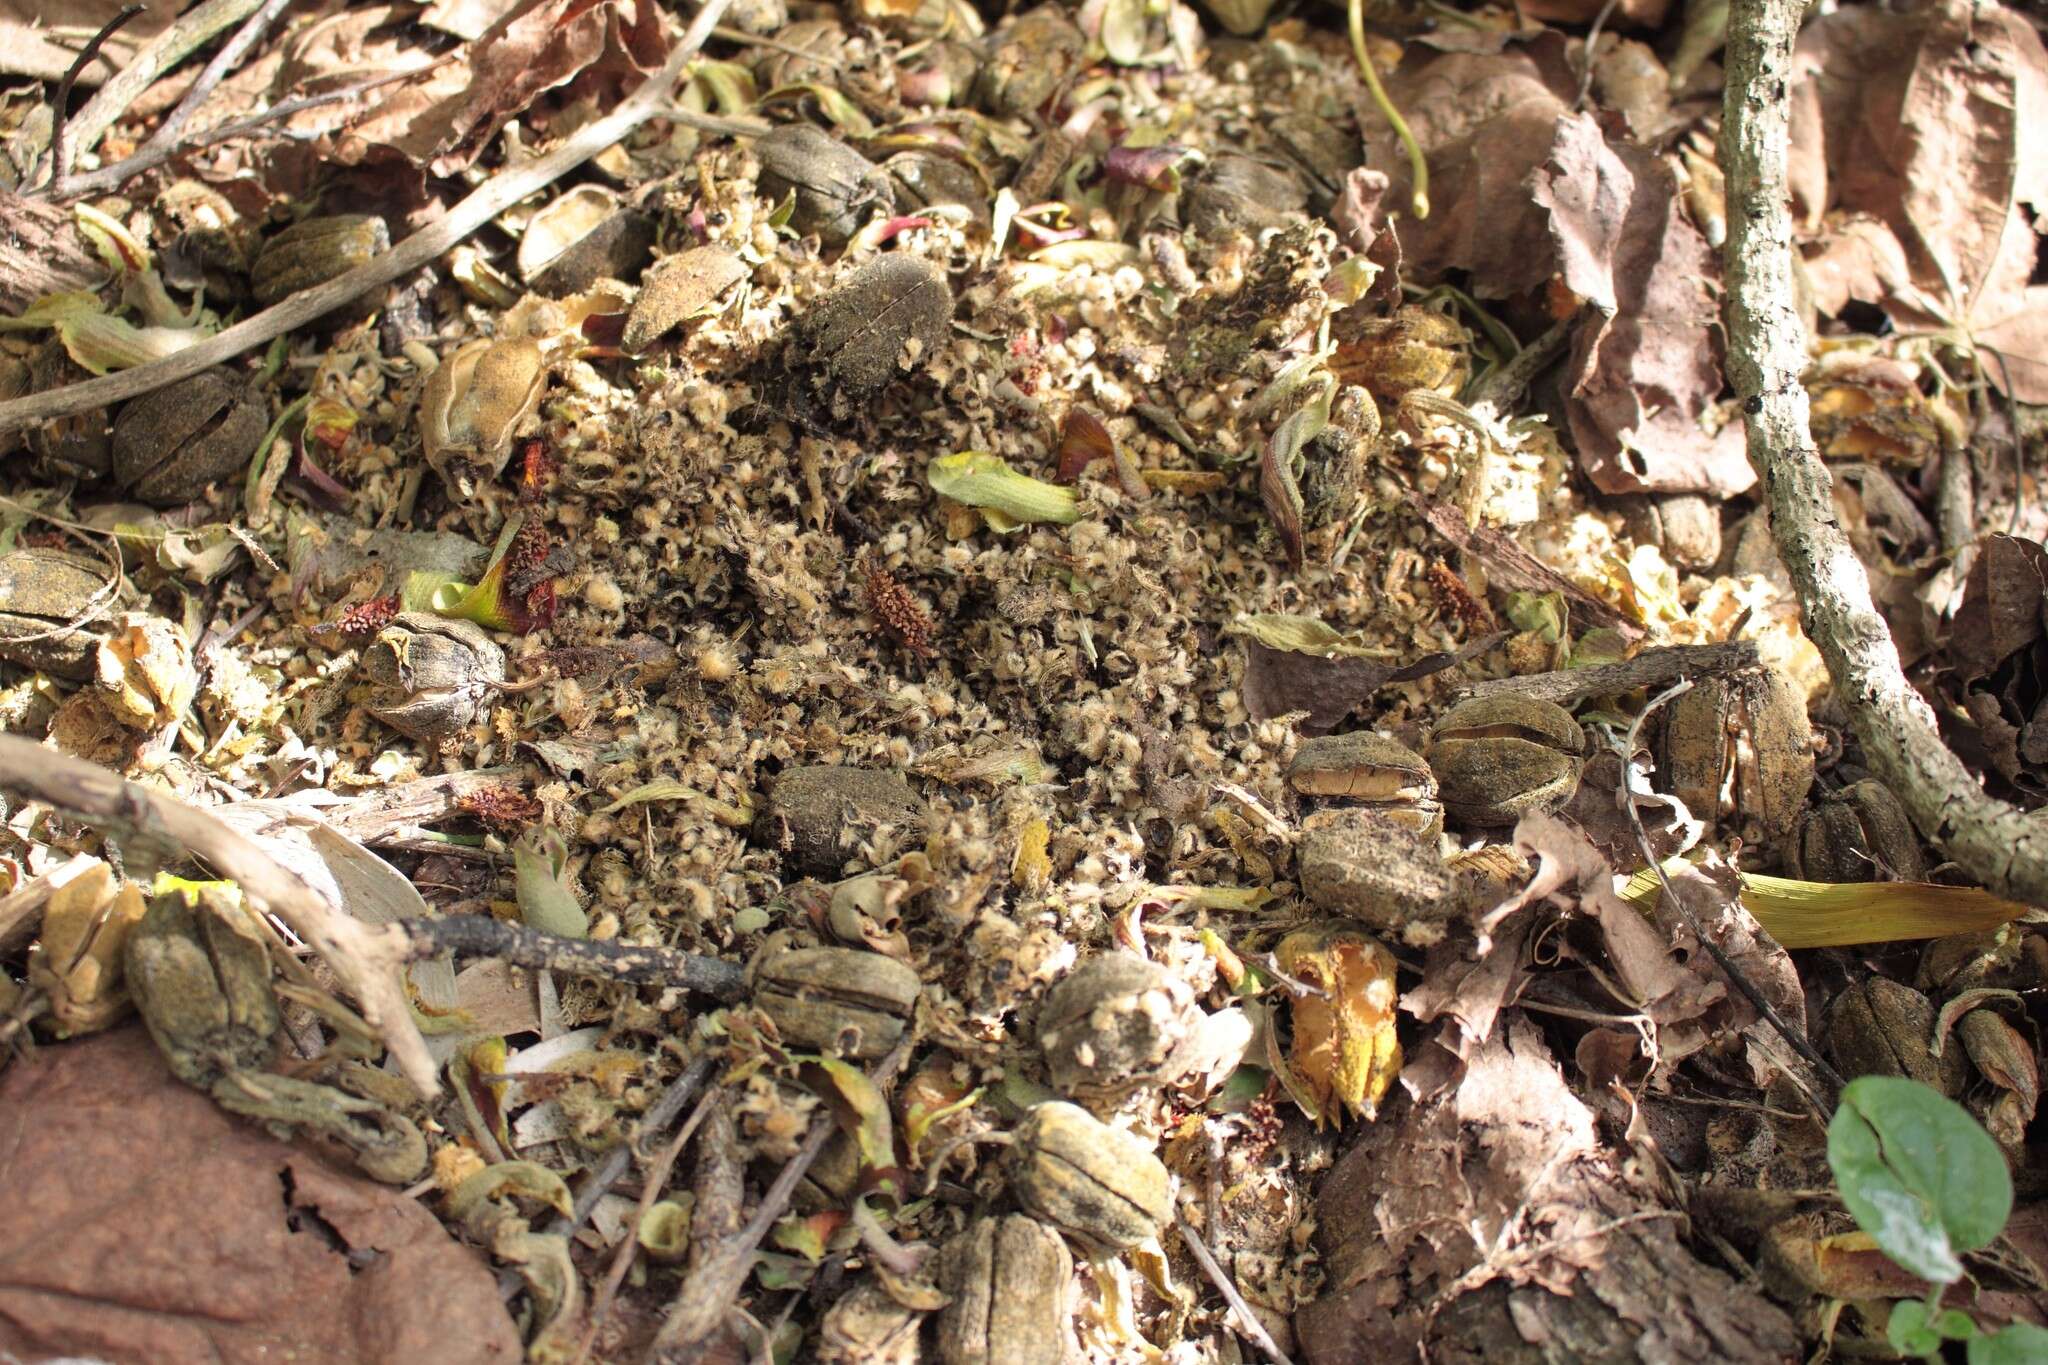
<point x="1418" y="167"/>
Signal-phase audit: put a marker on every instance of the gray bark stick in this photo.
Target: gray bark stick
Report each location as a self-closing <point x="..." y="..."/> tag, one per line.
<point x="1993" y="842"/>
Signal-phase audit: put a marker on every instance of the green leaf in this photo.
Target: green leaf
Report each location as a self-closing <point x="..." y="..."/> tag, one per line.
<point x="1918" y="1174"/>
<point x="1908" y="1332"/>
<point x="544" y="902"/>
<point x="986" y="481"/>
<point x="2017" y="1343"/>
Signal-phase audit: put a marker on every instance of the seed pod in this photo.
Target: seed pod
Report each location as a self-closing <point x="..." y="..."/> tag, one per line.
<point x="1028" y="60"/>
<point x="311" y="253"/>
<point x="839" y="1000"/>
<point x="1368" y="771"/>
<point x="1009" y="1280"/>
<point x="1881" y="1028"/>
<point x="1858" y="834"/>
<point x="675" y="289"/>
<point x="1097" y="1182"/>
<point x="42" y="593"/>
<point x="1360" y="864"/>
<point x="819" y="817"/>
<point x="892" y="306"/>
<point x="1499" y="758"/>
<point x="1415" y="348"/>
<point x="1239" y="194"/>
<point x="79" y="446"/>
<point x="836" y="187"/>
<point x="433" y="675"/>
<point x="1745" y="735"/>
<point x="1115" y="1023"/>
<point x="170" y="444"/>
<point x="474" y="404"/>
<point x="582" y="237"/>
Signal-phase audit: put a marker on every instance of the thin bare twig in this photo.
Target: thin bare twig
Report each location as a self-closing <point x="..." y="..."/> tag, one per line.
<point x="640" y="964"/>
<point x="714" y="1290"/>
<point x="1996" y="844"/>
<point x="1651" y="668"/>
<point x="1247" y="1323"/>
<point x="658" y="1117"/>
<point x="210" y="76"/>
<point x="1795" y="1037"/>
<point x="151" y="826"/>
<point x="60" y="112"/>
<point x="193" y="29"/>
<point x="490" y="199"/>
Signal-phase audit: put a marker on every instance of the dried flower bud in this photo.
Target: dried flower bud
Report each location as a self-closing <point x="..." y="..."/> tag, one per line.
<point x="170" y="444"/>
<point x="145" y="672"/>
<point x="432" y="676"/>
<point x="475" y="403"/>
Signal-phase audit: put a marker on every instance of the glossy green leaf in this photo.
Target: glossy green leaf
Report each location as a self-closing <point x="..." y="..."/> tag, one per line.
<point x="2019" y="1343"/>
<point x="986" y="481"/>
<point x="1918" y="1174"/>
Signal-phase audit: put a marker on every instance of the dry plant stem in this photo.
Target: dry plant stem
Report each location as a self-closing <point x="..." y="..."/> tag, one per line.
<point x="659" y="1116"/>
<point x="60" y="120"/>
<point x="490" y="199"/>
<point x="192" y="31"/>
<point x="483" y="936"/>
<point x="1992" y="842"/>
<point x="1651" y="668"/>
<point x="227" y="59"/>
<point x="169" y="830"/>
<point x="1247" y="1323"/>
<point x="1795" y="1037"/>
<point x="714" y="1291"/>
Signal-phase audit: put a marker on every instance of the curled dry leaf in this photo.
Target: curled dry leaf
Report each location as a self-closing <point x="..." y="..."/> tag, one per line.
<point x="144" y="1223"/>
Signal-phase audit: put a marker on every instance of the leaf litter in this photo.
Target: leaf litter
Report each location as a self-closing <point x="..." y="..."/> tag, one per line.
<point x="1067" y="418"/>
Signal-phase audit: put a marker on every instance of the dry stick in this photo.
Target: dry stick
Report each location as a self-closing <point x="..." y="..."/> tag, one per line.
<point x="659" y="1116"/>
<point x="227" y="59"/>
<point x="1651" y="668"/>
<point x="1254" y="1331"/>
<point x="638" y="964"/>
<point x="148" y="158"/>
<point x="60" y="112"/>
<point x="166" y="831"/>
<point x="712" y="1292"/>
<point x="490" y="199"/>
<point x="192" y="31"/>
<point x="2004" y="848"/>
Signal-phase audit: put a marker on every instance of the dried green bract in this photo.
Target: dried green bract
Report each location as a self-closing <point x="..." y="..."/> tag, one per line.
<point x="315" y="251"/>
<point x="433" y="675"/>
<point x="1009" y="1280"/>
<point x="170" y="444"/>
<point x="475" y="403"/>
<point x="1100" y="1183"/>
<point x="894" y="308"/>
<point x="839" y="1000"/>
<point x="836" y="188"/>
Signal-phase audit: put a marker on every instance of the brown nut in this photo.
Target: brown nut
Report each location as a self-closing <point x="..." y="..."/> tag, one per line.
<point x="836" y="188"/>
<point x="922" y="179"/>
<point x="1858" y="834"/>
<point x="1028" y="60"/>
<point x="819" y="817"/>
<point x="433" y="675"/>
<point x="1499" y="758"/>
<point x="1115" y="1023"/>
<point x="1237" y="193"/>
<point x="473" y="405"/>
<point x="312" y="252"/>
<point x="1367" y="866"/>
<point x="787" y="63"/>
<point x="838" y="1000"/>
<point x="1326" y="155"/>
<point x="1369" y="772"/>
<point x="170" y="444"/>
<point x="675" y="289"/>
<point x="1881" y="1028"/>
<point x="43" y="593"/>
<point x="580" y="237"/>
<point x="894" y="308"/>
<point x="1009" y="1280"/>
<point x="942" y="74"/>
<point x="1099" y="1183"/>
<point x="1745" y="735"/>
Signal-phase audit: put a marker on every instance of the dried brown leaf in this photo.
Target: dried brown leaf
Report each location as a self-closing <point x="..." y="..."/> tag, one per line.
<point x="144" y="1223"/>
